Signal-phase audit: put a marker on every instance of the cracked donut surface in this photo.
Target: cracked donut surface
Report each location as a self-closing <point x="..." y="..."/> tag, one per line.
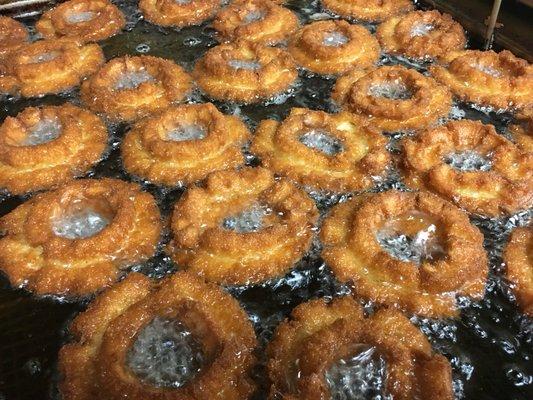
<point x="368" y="10"/>
<point x="179" y="13"/>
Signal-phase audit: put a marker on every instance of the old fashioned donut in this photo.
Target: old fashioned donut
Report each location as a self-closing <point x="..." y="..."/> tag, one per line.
<point x="48" y="66"/>
<point x="334" y="47"/>
<point x="255" y="20"/>
<point x="518" y="257"/>
<point x="522" y="130"/>
<point x="85" y="20"/>
<point x="413" y="251"/>
<point x="129" y="88"/>
<point x="42" y="148"/>
<point x="179" y="13"/>
<point x="12" y="34"/>
<point x="184" y="144"/>
<point x="243" y="227"/>
<point x="245" y="72"/>
<point x="393" y="98"/>
<point x="368" y="10"/>
<point x="322" y="345"/>
<point x="425" y="35"/>
<point x="469" y="164"/>
<point x="499" y="80"/>
<point x="76" y="240"/>
<point x="337" y="152"/>
<point x="178" y="339"/>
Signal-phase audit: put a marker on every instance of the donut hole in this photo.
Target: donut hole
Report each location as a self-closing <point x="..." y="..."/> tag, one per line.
<point x="249" y="220"/>
<point x="44" y="57"/>
<point x="182" y="2"/>
<point x="77" y="17"/>
<point x="43" y="132"/>
<point x="132" y="79"/>
<point x="322" y="141"/>
<point x="334" y="39"/>
<point x="82" y="219"/>
<point x="469" y="160"/>
<point x="422" y="29"/>
<point x="249" y="65"/>
<point x="185" y="132"/>
<point x="487" y="69"/>
<point x="253" y="16"/>
<point x="392" y="90"/>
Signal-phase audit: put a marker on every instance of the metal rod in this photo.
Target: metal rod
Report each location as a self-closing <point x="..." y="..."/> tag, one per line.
<point x="492" y="23"/>
<point x="21" y="3"/>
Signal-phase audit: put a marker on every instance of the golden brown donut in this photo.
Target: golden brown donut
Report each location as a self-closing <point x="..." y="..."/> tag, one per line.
<point x="178" y="13"/>
<point x="255" y="20"/>
<point x="518" y="257"/>
<point x="393" y="98"/>
<point x="183" y="144"/>
<point x="421" y="35"/>
<point x="12" y="34"/>
<point x="85" y="20"/>
<point x="337" y="152"/>
<point x="243" y="227"/>
<point x="499" y="80"/>
<point x="245" y="72"/>
<point x="522" y="130"/>
<point x="42" y="148"/>
<point x="368" y="10"/>
<point x="413" y="251"/>
<point x="334" y="47"/>
<point x="129" y="88"/>
<point x="496" y="177"/>
<point x="322" y="344"/>
<point x="183" y="311"/>
<point x="48" y="66"/>
<point x="76" y="240"/>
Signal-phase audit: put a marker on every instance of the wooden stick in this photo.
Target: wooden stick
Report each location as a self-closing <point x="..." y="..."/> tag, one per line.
<point x="492" y="23"/>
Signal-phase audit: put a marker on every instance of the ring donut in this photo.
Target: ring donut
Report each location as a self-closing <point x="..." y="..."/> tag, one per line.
<point x="129" y="88"/>
<point x="12" y="34"/>
<point x="322" y="345"/>
<point x="334" y="47"/>
<point x="42" y="148"/>
<point x="368" y="10"/>
<point x="413" y="251"/>
<point x="243" y="227"/>
<point x="178" y="13"/>
<point x="76" y="240"/>
<point x="469" y="164"/>
<point x="184" y="144"/>
<point x="336" y="152"/>
<point x="110" y="355"/>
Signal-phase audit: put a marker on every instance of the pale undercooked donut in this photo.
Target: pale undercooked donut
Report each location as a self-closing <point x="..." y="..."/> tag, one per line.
<point x="368" y="10"/>
<point x="179" y="13"/>
<point x="12" y="34"/>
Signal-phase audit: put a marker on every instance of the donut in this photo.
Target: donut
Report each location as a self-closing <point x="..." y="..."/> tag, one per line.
<point x="332" y="351"/>
<point x="334" y="47"/>
<point x="48" y="66"/>
<point x="178" y="339"/>
<point x="242" y="228"/>
<point x="413" y="251"/>
<point x="518" y="257"/>
<point x="255" y="20"/>
<point x="184" y="144"/>
<point x="44" y="147"/>
<point x="368" y="10"/>
<point x="522" y="130"/>
<point x="336" y="152"/>
<point x="77" y="239"/>
<point x="129" y="88"/>
<point x="425" y="35"/>
<point x="179" y="13"/>
<point x="393" y="98"/>
<point x="85" y="20"/>
<point x="12" y="34"/>
<point x="469" y="164"/>
<point x="499" y="80"/>
<point x="245" y="72"/>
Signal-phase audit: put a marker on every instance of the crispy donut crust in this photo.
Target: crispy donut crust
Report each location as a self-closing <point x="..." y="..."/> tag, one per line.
<point x="429" y="102"/>
<point x="220" y="81"/>
<point x="31" y="254"/>
<point x="354" y="254"/>
<point x="12" y="34"/>
<point x="25" y="168"/>
<point x="518" y="257"/>
<point x="368" y="10"/>
<point x="396" y="35"/>
<point x="170" y="85"/>
<point x="94" y="365"/>
<point x="308" y="49"/>
<point x="513" y="89"/>
<point x="147" y="153"/>
<point x="203" y="246"/>
<point x="318" y="334"/>
<point x="21" y="71"/>
<point x="107" y="21"/>
<point x="505" y="189"/>
<point x="522" y="131"/>
<point x="364" y="156"/>
<point x="172" y="13"/>
<point x="275" y="24"/>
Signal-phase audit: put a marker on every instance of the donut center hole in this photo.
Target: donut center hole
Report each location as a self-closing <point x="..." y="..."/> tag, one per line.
<point x="250" y="65"/>
<point x="412" y="237"/>
<point x="80" y="224"/>
<point x="166" y="354"/>
<point x="44" y="57"/>
<point x="488" y="70"/>
<point x="77" y="17"/>
<point x="44" y="131"/>
<point x="392" y="90"/>
<point x="187" y="132"/>
<point x="249" y="220"/>
<point x="322" y="141"/>
<point x="253" y="16"/>
<point x="469" y="160"/>
<point x="182" y="2"/>
<point x="334" y="39"/>
<point x="358" y="376"/>
<point x="421" y="29"/>
<point x="132" y="79"/>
